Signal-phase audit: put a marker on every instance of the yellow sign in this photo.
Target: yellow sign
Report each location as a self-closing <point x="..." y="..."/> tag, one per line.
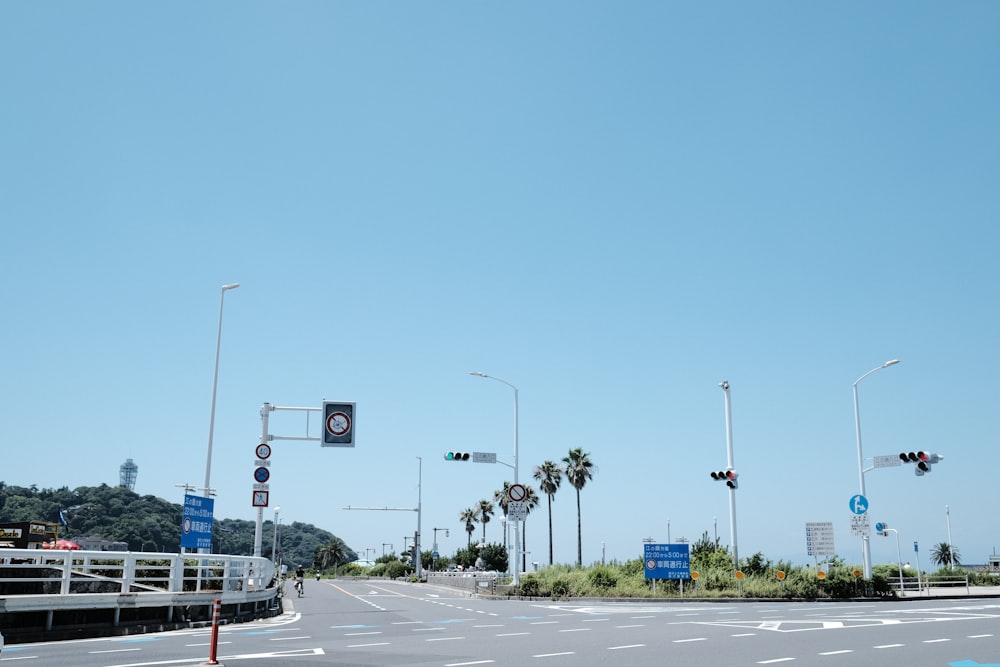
<point x="780" y="574"/>
<point x="821" y="575"/>
<point x="695" y="575"/>
<point x="739" y="574"/>
<point x="10" y="533"/>
<point x="857" y="574"/>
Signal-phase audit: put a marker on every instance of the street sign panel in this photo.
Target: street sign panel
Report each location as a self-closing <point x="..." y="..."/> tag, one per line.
<point x="517" y="510"/>
<point x="338" y="424"/>
<point x="858" y="504"/>
<point x="887" y="461"/>
<point x="196" y="526"/>
<point x="860" y="525"/>
<point x="667" y="561"/>
<point x="484" y="457"/>
<point x="819" y="539"/>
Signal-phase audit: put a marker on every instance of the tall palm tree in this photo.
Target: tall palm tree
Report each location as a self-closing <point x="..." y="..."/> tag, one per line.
<point x="468" y="517"/>
<point x="530" y="503"/>
<point x="502" y="501"/>
<point x="549" y="476"/>
<point x="332" y="553"/>
<point x="485" y="511"/>
<point x="578" y="470"/>
<point x="945" y="554"/>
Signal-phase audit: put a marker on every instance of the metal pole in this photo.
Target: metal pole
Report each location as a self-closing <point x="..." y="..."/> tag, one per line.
<point x="866" y="547"/>
<point x="951" y="549"/>
<point x="416" y="542"/>
<point x="517" y="533"/>
<point x="215" y="386"/>
<point x="730" y="466"/>
<point x="258" y="534"/>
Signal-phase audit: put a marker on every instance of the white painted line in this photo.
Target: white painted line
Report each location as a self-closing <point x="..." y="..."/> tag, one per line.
<point x="637" y="618"/>
<point x="400" y="623"/>
<point x="463" y="664"/>
<point x="551" y="655"/>
<point x="638" y="625"/>
<point x="768" y="662"/>
<point x="442" y="639"/>
<point x="576" y="630"/>
<point x="615" y="648"/>
<point x="545" y="622"/>
<point x="936" y="641"/>
<point x="513" y="634"/>
<point x="355" y="634"/>
<point x="978" y="636"/>
<point x="837" y="652"/>
<point x="745" y="634"/>
<point x="365" y="645"/>
<point x="889" y="646"/>
<point x="693" y="639"/>
<point x="117" y="650"/>
<point x="285" y="639"/>
<point x="427" y="629"/>
<point x="595" y="620"/>
<point x="493" y="625"/>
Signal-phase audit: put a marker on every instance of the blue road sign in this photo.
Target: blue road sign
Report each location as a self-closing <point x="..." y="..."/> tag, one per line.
<point x="859" y="504"/>
<point x="879" y="527"/>
<point x="667" y="561"/>
<point x="196" y="526"/>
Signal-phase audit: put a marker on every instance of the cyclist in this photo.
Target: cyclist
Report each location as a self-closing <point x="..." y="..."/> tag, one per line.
<point x="300" y="577"/>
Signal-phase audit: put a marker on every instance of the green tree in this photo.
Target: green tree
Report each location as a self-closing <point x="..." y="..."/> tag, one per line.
<point x="484" y="511"/>
<point x="549" y="476"/>
<point x="579" y="470"/>
<point x="334" y="553"/>
<point x="502" y="501"/>
<point x="468" y="517"/>
<point x="530" y="503"/>
<point x="945" y="554"/>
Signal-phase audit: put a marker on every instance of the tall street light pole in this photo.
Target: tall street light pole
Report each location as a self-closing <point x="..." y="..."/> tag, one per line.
<point x="517" y="533"/>
<point x="215" y="387"/>
<point x="274" y="538"/>
<point x="866" y="547"/>
<point x="729" y="466"/>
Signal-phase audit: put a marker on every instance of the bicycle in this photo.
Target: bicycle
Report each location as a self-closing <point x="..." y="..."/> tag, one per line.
<point x="299" y="587"/>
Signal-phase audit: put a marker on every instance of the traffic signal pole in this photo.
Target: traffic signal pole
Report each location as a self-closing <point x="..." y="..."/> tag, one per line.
<point x="729" y="466"/>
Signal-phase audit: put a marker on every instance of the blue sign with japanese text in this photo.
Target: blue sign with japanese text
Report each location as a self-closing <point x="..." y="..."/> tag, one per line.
<point x="667" y="561"/>
<point x="196" y="527"/>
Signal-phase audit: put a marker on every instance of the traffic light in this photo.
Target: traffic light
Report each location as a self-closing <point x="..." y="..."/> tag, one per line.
<point x="456" y="456"/>
<point x="923" y="461"/>
<point x="729" y="476"/>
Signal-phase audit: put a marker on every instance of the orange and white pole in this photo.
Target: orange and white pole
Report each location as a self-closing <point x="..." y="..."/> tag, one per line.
<point x="213" y="650"/>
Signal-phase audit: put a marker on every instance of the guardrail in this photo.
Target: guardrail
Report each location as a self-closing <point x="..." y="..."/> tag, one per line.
<point x="926" y="585"/>
<point x="74" y="587"/>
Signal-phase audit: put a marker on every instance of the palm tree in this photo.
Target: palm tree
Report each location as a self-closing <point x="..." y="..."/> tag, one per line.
<point x="468" y="517"/>
<point x="485" y="511"/>
<point x="332" y="553"/>
<point x="549" y="476"/>
<point x="502" y="501"/>
<point x="578" y="471"/>
<point x="530" y="502"/>
<point x="945" y="554"/>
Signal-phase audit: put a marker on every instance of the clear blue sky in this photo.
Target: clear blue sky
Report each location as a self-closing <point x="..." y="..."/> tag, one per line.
<point x="612" y="206"/>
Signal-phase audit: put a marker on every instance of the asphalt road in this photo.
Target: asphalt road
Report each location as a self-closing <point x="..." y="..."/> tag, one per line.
<point x="381" y="623"/>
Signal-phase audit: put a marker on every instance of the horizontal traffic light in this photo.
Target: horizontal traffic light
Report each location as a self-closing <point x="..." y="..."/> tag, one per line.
<point x="456" y="456"/>
<point x="728" y="476"/>
<point x="923" y="461"/>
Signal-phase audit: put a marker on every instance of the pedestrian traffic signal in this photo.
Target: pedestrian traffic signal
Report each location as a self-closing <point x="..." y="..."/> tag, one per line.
<point x="923" y="461"/>
<point x="456" y="456"/>
<point x="729" y="476"/>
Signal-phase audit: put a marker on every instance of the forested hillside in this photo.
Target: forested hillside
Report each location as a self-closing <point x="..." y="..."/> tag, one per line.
<point x="148" y="523"/>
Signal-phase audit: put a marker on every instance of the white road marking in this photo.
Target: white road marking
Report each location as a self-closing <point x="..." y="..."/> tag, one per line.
<point x="550" y="655"/>
<point x="768" y="662"/>
<point x="889" y="646"/>
<point x="693" y="639"/>
<point x="837" y="652"/>
<point x="615" y="648"/>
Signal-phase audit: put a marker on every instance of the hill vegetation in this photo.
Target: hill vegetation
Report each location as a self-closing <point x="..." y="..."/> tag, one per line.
<point x="148" y="523"/>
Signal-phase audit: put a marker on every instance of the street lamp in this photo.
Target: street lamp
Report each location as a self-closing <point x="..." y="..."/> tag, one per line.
<point x="517" y="533"/>
<point x="866" y="547"/>
<point x="215" y="386"/>
<point x="274" y="539"/>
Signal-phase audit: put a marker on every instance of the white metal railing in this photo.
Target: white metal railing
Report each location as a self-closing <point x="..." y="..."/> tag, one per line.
<point x="37" y="573"/>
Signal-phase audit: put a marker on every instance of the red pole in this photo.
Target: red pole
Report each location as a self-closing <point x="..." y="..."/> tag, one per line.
<point x="216" y="610"/>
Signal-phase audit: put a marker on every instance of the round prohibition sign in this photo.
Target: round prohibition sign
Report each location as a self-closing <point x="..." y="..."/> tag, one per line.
<point x="338" y="423"/>
<point x="650" y="564"/>
<point x="517" y="492"/>
<point x="262" y="474"/>
<point x="263" y="450"/>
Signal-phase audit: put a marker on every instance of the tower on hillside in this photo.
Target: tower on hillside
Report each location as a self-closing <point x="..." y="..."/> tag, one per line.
<point x="127" y="474"/>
